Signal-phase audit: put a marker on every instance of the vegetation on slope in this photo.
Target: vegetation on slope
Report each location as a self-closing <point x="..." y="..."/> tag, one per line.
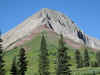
<point x="32" y="51"/>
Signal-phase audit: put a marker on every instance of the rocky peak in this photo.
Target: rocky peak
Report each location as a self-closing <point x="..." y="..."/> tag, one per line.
<point x="55" y="21"/>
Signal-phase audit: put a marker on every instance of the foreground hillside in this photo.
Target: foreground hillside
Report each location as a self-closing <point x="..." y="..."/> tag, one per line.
<point x="32" y="51"/>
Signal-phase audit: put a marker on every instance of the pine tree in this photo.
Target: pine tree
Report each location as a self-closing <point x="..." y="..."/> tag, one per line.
<point x="98" y="58"/>
<point x="94" y="64"/>
<point x="79" y="59"/>
<point x="2" y="70"/>
<point x="22" y="63"/>
<point x="94" y="73"/>
<point x="14" y="68"/>
<point x="43" y="58"/>
<point x="63" y="66"/>
<point x="86" y="58"/>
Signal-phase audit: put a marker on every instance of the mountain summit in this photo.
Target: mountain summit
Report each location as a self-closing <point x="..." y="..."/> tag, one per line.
<point x="53" y="21"/>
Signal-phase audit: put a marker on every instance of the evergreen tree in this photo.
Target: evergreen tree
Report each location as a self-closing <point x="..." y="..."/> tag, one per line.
<point x="98" y="58"/>
<point x="79" y="61"/>
<point x="43" y="58"/>
<point x="22" y="63"/>
<point x="63" y="66"/>
<point x="86" y="58"/>
<point x="14" y="68"/>
<point x="94" y="64"/>
<point x="2" y="70"/>
<point x="94" y="73"/>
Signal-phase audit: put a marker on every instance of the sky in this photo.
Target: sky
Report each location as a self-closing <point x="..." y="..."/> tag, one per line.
<point x="85" y="13"/>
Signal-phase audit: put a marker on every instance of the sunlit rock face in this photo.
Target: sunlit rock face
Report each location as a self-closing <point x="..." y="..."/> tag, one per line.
<point x="56" y="22"/>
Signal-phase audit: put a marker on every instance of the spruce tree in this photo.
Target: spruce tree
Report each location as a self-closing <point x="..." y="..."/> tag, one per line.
<point x="63" y="66"/>
<point x="14" y="68"/>
<point x="98" y="58"/>
<point x="94" y="73"/>
<point x="22" y="63"/>
<point x="79" y="60"/>
<point x="86" y="58"/>
<point x="2" y="70"/>
<point x="94" y="64"/>
<point x="43" y="58"/>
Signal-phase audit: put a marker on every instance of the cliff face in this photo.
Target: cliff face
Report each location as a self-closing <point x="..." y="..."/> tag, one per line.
<point x="54" y="21"/>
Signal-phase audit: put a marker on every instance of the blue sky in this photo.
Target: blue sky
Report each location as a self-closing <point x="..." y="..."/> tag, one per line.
<point x="85" y="13"/>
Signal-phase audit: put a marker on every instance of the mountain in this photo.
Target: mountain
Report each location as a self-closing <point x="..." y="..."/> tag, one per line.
<point x="53" y="22"/>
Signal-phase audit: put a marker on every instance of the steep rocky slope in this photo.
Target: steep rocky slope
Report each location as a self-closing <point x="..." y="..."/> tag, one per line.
<point x="55" y="22"/>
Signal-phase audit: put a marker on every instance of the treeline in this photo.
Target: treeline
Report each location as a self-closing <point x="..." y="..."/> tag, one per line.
<point x="18" y="67"/>
<point x="63" y="66"/>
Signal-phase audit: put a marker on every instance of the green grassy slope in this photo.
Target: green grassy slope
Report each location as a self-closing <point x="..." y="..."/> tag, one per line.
<point x="33" y="52"/>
